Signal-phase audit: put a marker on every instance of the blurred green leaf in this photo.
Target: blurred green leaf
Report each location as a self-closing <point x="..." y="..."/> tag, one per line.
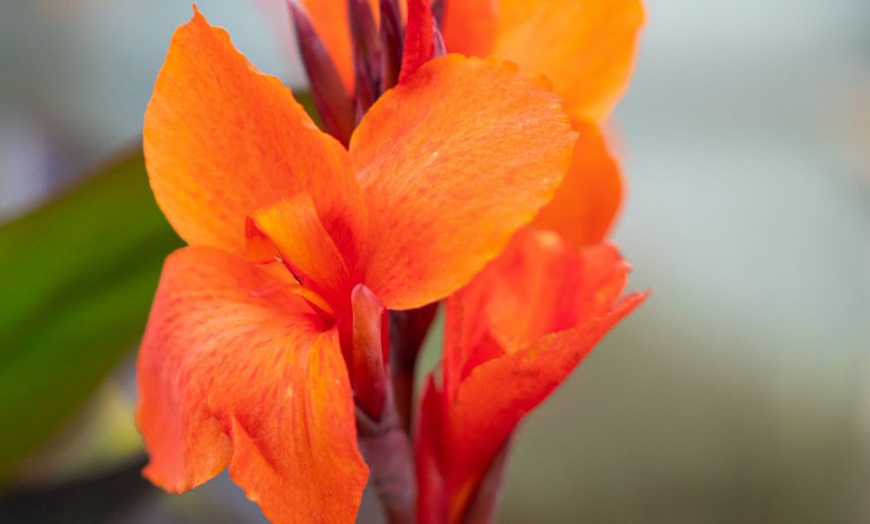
<point x="76" y="281"/>
<point x="77" y="277"/>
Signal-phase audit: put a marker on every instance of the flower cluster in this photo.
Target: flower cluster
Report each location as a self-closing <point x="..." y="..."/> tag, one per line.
<point x="460" y="160"/>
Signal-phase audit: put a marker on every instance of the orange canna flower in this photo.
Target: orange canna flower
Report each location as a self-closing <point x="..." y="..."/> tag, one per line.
<point x="266" y="332"/>
<point x="512" y="336"/>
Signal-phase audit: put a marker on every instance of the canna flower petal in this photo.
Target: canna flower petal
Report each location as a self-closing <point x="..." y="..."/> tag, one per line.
<point x="222" y="140"/>
<point x="587" y="202"/>
<point x="533" y="375"/>
<point x="527" y="320"/>
<point x="235" y="370"/>
<point x="483" y="147"/>
<point x="304" y="246"/>
<point x="586" y="47"/>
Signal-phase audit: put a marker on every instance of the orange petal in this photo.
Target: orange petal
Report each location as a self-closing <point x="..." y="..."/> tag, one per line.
<point x="537" y="286"/>
<point x="234" y="370"/>
<point x="586" y="204"/>
<point x="294" y="436"/>
<point x="470" y="26"/>
<point x="586" y="47"/>
<point x="527" y="320"/>
<point x="222" y="140"/>
<point x="468" y="340"/>
<point x="452" y="162"/>
<point x="332" y="23"/>
<point x="485" y="412"/>
<point x="305" y="247"/>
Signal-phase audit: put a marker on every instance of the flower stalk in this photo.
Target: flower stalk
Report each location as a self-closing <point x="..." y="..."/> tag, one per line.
<point x="387" y="450"/>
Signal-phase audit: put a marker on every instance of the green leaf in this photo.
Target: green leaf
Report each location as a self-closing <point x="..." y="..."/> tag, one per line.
<point x="76" y="281"/>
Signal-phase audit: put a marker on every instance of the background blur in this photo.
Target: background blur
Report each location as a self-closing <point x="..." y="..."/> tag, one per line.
<point x="738" y="393"/>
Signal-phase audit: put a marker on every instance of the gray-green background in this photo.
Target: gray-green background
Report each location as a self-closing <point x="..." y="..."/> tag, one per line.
<point x="738" y="393"/>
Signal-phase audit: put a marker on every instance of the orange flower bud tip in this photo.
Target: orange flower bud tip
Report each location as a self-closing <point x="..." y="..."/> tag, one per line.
<point x="419" y="38"/>
<point x="369" y="351"/>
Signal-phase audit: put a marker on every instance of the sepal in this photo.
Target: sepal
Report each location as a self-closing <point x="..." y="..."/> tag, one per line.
<point x="333" y="103"/>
